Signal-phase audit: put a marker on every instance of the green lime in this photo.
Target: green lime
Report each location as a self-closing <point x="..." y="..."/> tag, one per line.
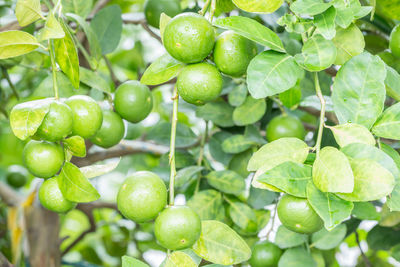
<point x="51" y="198"/>
<point x="189" y="37"/>
<point x="394" y="43"/>
<point x="285" y="126"/>
<point x="16" y="179"/>
<point x="199" y="83"/>
<point x="142" y="196"/>
<point x="133" y="101"/>
<point x="87" y="115"/>
<point x="43" y="159"/>
<point x="297" y="215"/>
<point x="111" y="132"/>
<point x="232" y="53"/>
<point x="57" y="124"/>
<point x="265" y="254"/>
<point x="177" y="227"/>
<point x="154" y="8"/>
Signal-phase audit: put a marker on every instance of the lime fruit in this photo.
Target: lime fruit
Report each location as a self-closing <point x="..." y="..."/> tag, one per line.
<point x="111" y="132"/>
<point x="142" y="196"/>
<point x="265" y="254"/>
<point x="154" y="8"/>
<point x="177" y="227"/>
<point x="232" y="53"/>
<point x="51" y="198"/>
<point x="199" y="83"/>
<point x="87" y="115"/>
<point x="297" y="215"/>
<point x="394" y="43"/>
<point x="43" y="159"/>
<point x="189" y="37"/>
<point x="285" y="126"/>
<point x="133" y="101"/>
<point x="16" y="179"/>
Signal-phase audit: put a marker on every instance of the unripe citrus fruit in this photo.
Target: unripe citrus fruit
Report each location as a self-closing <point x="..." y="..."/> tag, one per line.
<point x="87" y="115"/>
<point x="111" y="132"/>
<point x="297" y="215"/>
<point x="51" y="198"/>
<point x="189" y="37"/>
<point x="394" y="43"/>
<point x="199" y="83"/>
<point x="43" y="159"/>
<point x="16" y="179"/>
<point x="177" y="227"/>
<point x="133" y="101"/>
<point x="57" y="124"/>
<point x="285" y="126"/>
<point x="154" y="8"/>
<point x="265" y="254"/>
<point x="232" y="53"/>
<point x="142" y="196"/>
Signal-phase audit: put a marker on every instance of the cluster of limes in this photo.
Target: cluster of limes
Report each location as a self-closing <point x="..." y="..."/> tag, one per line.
<point x="80" y="115"/>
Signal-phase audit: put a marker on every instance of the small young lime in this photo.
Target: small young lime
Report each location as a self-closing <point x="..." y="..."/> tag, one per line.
<point x="394" y="43"/>
<point x="111" y="132"/>
<point x="133" y="101"/>
<point x="199" y="83"/>
<point x="265" y="254"/>
<point x="16" y="179"/>
<point x="87" y="115"/>
<point x="142" y="196"/>
<point x="285" y="126"/>
<point x="51" y="198"/>
<point x="177" y="227"/>
<point x="189" y="37"/>
<point x="154" y="8"/>
<point x="43" y="159"/>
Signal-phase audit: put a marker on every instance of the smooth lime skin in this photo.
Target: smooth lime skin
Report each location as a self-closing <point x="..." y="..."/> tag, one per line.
<point x="233" y="53"/>
<point x="297" y="215"/>
<point x="57" y="124"/>
<point x="189" y="37"/>
<point x="199" y="83"/>
<point x="16" y="179"/>
<point x="87" y="115"/>
<point x="394" y="43"/>
<point x="177" y="227"/>
<point x="51" y="198"/>
<point x="43" y="159"/>
<point x="285" y="126"/>
<point x="142" y="196"/>
<point x="111" y="132"/>
<point x="154" y="8"/>
<point x="133" y="101"/>
<point x="265" y="254"/>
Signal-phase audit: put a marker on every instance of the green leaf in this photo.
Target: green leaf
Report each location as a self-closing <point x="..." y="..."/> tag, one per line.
<point x="252" y="30"/>
<point x="359" y="90"/>
<point x="179" y="259"/>
<point x="94" y="80"/>
<point x="81" y="8"/>
<point x="186" y="175"/>
<point x="286" y="239"/>
<point x="242" y="215"/>
<point x="290" y="177"/>
<point x="52" y="29"/>
<point x="219" y="244"/>
<point x="208" y="205"/>
<point x="288" y="148"/>
<point x="75" y="186"/>
<point x="271" y="73"/>
<point x="236" y="143"/>
<point x="107" y="24"/>
<point x="382" y="238"/>
<point x="16" y="43"/>
<point x="371" y="181"/>
<point x="226" y="181"/>
<point x="348" y="133"/>
<point x="76" y="145"/>
<point x="251" y="111"/>
<point x="259" y="198"/>
<point x="331" y="171"/>
<point x="28" y="11"/>
<point x="388" y="124"/>
<point x="332" y="209"/>
<point x="393" y="200"/>
<point x="237" y="96"/>
<point x="346" y="11"/>
<point x="67" y="56"/>
<point x="309" y="7"/>
<point x="132" y="262"/>
<point x="219" y="112"/>
<point x="349" y="42"/>
<point x="292" y="97"/>
<point x="161" y="133"/>
<point x="365" y="211"/>
<point x="317" y="54"/>
<point x="258" y="6"/>
<point x="389" y="218"/>
<point x="25" y="118"/>
<point x="392" y="83"/>
<point x="214" y="145"/>
<point x="325" y="23"/>
<point x="161" y="70"/>
<point x="325" y="240"/>
<point x="164" y="19"/>
<point x="99" y="169"/>
<point x="296" y="257"/>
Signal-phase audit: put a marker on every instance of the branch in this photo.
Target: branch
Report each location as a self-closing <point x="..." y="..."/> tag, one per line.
<point x="9" y="195"/>
<point x="111" y="71"/>
<point x="315" y="112"/>
<point x="99" y="5"/>
<point x="4" y="262"/>
<point x="145" y="26"/>
<point x="365" y="258"/>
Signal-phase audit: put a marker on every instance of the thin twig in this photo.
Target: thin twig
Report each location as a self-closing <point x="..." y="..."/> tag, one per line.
<point x="365" y="258"/>
<point x="174" y="121"/>
<point x="53" y="69"/>
<point x="322" y="114"/>
<point x="273" y="221"/>
<point x="145" y="26"/>
<point x="111" y="70"/>
<point x="7" y="76"/>
<point x="201" y="155"/>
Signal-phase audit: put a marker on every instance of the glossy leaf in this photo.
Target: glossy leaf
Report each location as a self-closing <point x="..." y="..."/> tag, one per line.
<point x="226" y="181"/>
<point x="365" y="211"/>
<point x="237" y="96"/>
<point x="388" y="124"/>
<point x="348" y="133"/>
<point x="392" y="83"/>
<point x="208" y="205"/>
<point x="271" y="73"/>
<point x="132" y="262"/>
<point x="99" y="169"/>
<point x="186" y="175"/>
<point x="259" y="198"/>
<point x="219" y="244"/>
<point x="242" y="215"/>
<point x="291" y="98"/>
<point x="349" y="42"/>
<point x="164" y="19"/>
<point x="94" y="80"/>
<point x="219" y="112"/>
<point x="325" y="23"/>
<point x="81" y="8"/>
<point x="346" y="11"/>
<point x="179" y="259"/>
<point x="326" y="240"/>
<point x="251" y="111"/>
<point x="28" y="11"/>
<point x="309" y="7"/>
<point x="236" y="144"/>
<point x="76" y="145"/>
<point x="258" y="6"/>
<point x="52" y="29"/>
<point x="161" y="134"/>
<point x="161" y="70"/>
<point x="286" y="239"/>
<point x="296" y="257"/>
<point x="16" y="43"/>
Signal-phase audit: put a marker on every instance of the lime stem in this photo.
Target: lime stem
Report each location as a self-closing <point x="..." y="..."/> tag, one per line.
<point x="174" y="120"/>
<point x="201" y="155"/>
<point x="279" y="103"/>
<point x="203" y="11"/>
<point x="53" y="69"/>
<point x="212" y="10"/>
<point x="322" y="114"/>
